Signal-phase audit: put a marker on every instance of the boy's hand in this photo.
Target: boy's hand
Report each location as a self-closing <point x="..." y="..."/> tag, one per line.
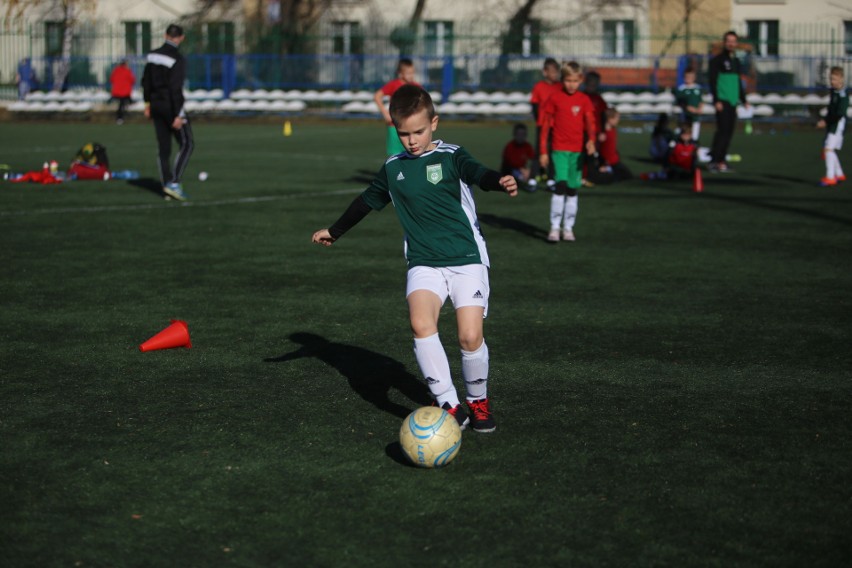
<point x="323" y="237"/>
<point x="590" y="147"/>
<point x="510" y="185"/>
<point x="821" y="123"/>
<point x="544" y="160"/>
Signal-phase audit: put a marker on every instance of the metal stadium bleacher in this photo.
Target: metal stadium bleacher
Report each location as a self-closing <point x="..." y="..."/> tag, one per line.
<point x="513" y="104"/>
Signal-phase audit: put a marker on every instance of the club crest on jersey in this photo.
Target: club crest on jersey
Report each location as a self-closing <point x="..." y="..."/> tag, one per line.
<point x="575" y="109"/>
<point x="434" y="174"/>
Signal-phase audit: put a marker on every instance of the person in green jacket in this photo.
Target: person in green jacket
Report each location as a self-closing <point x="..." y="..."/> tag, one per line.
<point x="727" y="89"/>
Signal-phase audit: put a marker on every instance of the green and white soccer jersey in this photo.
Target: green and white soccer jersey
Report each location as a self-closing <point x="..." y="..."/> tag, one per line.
<point x="433" y="200"/>
<point x="688" y="95"/>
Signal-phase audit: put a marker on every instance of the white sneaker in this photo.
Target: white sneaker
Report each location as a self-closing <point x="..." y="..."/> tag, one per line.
<point x="568" y="236"/>
<point x="553" y="236"/>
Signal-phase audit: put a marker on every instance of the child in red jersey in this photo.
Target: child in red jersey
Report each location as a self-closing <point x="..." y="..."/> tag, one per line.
<point x="570" y="115"/>
<point x="516" y="158"/>
<point x="611" y="168"/>
<point x="122" y="80"/>
<point x="681" y="160"/>
<point x="404" y="76"/>
<point x="541" y="92"/>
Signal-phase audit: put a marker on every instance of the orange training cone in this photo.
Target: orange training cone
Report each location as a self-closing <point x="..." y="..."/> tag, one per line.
<point x="176" y="335"/>
<point x="698" y="182"/>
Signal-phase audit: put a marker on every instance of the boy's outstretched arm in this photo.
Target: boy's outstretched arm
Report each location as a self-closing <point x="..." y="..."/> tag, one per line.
<point x="356" y="211"/>
<point x="492" y="181"/>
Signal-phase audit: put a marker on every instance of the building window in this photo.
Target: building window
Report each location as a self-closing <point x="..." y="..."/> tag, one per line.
<point x="137" y="38"/>
<point x="348" y="39"/>
<point x="763" y="35"/>
<point x="619" y="38"/>
<point x="847" y="36"/>
<point x="218" y="37"/>
<point x="53" y="38"/>
<point x="438" y="38"/>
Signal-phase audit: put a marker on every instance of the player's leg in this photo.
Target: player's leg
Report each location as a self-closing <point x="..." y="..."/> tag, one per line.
<point x="186" y="140"/>
<point x="574" y="179"/>
<point x="164" y="148"/>
<point x="469" y="291"/>
<point x="557" y="200"/>
<point x="833" y="171"/>
<point x="696" y="130"/>
<point x="426" y="292"/>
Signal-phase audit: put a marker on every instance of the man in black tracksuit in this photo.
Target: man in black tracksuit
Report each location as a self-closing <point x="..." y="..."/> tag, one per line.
<point x="162" y="86"/>
<point x="728" y="92"/>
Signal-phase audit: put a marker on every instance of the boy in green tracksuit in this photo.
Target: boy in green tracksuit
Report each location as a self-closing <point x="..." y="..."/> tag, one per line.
<point x="834" y="124"/>
<point x="429" y="186"/>
<point x="728" y="92"/>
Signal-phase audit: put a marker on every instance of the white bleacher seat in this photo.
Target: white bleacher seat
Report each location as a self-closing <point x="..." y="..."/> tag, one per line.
<point x="241" y="94"/>
<point x="459" y="97"/>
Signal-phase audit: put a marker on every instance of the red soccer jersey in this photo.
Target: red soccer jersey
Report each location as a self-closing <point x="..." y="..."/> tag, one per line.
<point x="600" y="107"/>
<point x="516" y="155"/>
<point x="570" y="117"/>
<point x="540" y="93"/>
<point x="393" y="86"/>
<point x="608" y="149"/>
<point x="122" y="80"/>
<point x="683" y="155"/>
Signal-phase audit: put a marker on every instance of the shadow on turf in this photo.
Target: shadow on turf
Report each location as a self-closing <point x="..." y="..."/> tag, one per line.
<point x="148" y="184"/>
<point x="370" y="374"/>
<point x="515" y="225"/>
<point x="770" y="202"/>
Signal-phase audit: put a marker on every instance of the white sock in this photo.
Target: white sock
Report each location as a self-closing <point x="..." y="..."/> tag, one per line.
<point x="831" y="163"/>
<point x="435" y="367"/>
<point x="696" y="130"/>
<point x="571" y="206"/>
<point x="475" y="372"/>
<point x="557" y="210"/>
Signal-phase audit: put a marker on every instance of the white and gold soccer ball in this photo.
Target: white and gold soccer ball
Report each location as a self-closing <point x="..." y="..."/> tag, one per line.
<point x="430" y="437"/>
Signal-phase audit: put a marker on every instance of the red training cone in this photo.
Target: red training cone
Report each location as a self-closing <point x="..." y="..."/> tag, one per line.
<point x="176" y="335"/>
<point x="697" y="182"/>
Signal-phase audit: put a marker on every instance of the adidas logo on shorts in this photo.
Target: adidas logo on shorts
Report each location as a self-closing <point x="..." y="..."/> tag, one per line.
<point x="478" y="295"/>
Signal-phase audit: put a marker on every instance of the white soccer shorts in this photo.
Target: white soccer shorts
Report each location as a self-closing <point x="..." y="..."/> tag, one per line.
<point x="465" y="285"/>
<point x="834" y="141"/>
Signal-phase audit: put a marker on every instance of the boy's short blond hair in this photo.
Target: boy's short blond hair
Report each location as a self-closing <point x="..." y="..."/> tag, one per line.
<point x="836" y="70"/>
<point x="571" y="68"/>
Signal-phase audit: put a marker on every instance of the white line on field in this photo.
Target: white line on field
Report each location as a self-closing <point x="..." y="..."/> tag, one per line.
<point x="172" y="205"/>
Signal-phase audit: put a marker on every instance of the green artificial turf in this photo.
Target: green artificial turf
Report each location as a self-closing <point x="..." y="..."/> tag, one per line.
<point x="671" y="390"/>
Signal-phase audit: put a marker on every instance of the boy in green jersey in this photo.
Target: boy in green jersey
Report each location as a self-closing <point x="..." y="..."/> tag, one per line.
<point x="834" y="124"/>
<point x="688" y="97"/>
<point x="429" y="186"/>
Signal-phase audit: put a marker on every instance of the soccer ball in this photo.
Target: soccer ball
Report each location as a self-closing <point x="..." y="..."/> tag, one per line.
<point x="430" y="437"/>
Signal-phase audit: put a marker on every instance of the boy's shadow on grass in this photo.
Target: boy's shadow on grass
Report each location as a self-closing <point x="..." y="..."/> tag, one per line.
<point x="370" y="374"/>
<point x="513" y="224"/>
<point x="148" y="184"/>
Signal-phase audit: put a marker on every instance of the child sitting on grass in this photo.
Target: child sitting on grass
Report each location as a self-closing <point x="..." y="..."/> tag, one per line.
<point x="517" y="154"/>
<point x="610" y="169"/>
<point x="681" y="160"/>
